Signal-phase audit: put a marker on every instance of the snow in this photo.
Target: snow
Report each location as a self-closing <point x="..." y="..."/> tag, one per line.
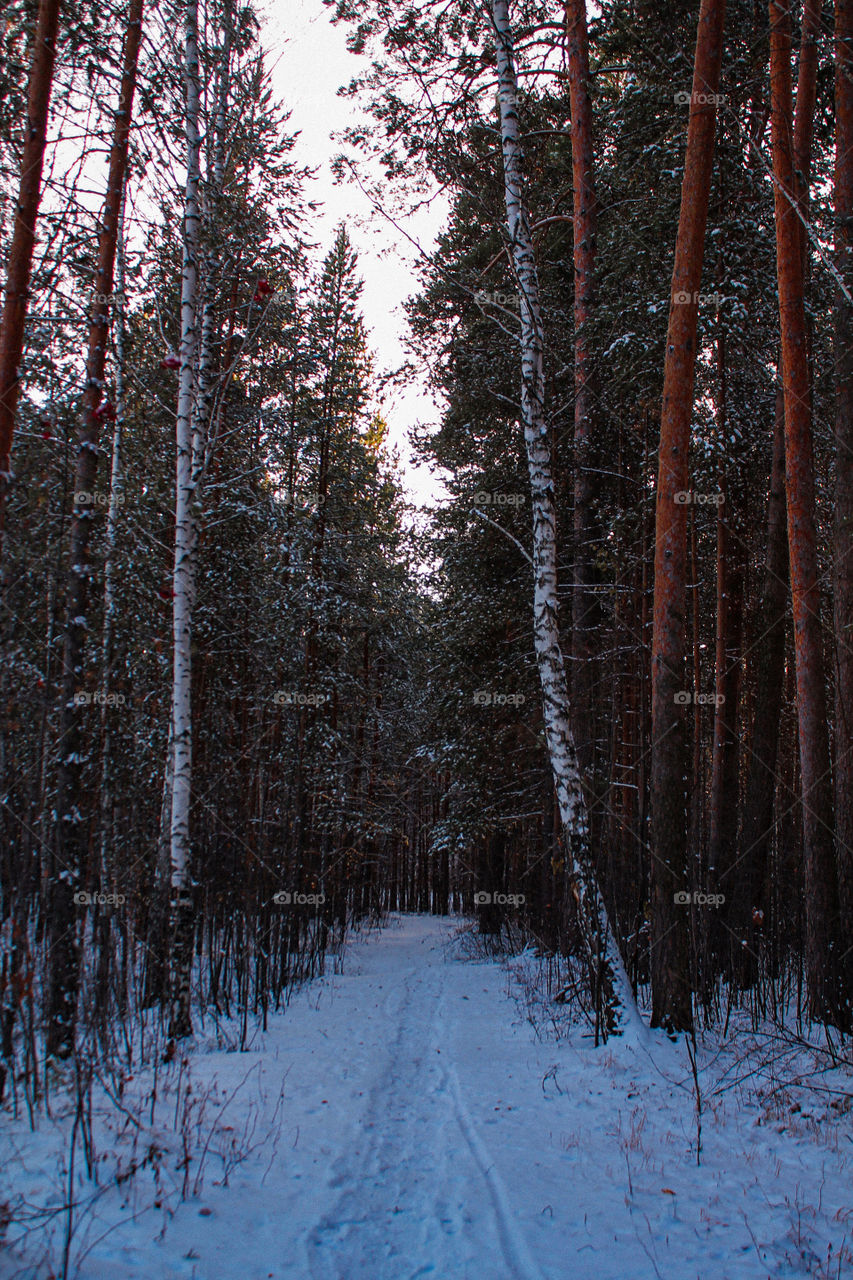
<point x="426" y="1112"/>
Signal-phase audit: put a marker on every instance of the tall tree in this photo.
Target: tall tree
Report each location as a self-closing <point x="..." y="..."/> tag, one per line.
<point x="750" y="905"/>
<point x="843" y="528"/>
<point x="723" y="808"/>
<point x="671" y="993"/>
<point x="583" y="229"/>
<point x="821" y="893"/>
<point x="748" y="909"/>
<point x="24" y="234"/>
<point x="613" y="996"/>
<point x="186" y="550"/>
<point x="73" y="812"/>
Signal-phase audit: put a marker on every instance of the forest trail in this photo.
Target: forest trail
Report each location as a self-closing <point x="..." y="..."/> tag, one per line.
<point x="420" y="1194"/>
<point x="413" y="1116"/>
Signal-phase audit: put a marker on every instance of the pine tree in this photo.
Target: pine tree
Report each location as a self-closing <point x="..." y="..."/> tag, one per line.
<point x="672" y="1006"/>
<point x="24" y="233"/>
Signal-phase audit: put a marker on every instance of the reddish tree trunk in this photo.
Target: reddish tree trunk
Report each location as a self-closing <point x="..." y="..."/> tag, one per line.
<point x="671" y="996"/>
<point x="583" y="601"/>
<point x="818" y="853"/>
<point x="24" y="234"/>
<point x="72" y="828"/>
<point x="722" y="839"/>
<point x="748" y="917"/>
<point x="750" y="905"/>
<point x="843" y="526"/>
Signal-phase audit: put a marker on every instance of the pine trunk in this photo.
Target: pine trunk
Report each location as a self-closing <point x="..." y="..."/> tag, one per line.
<point x="724" y="806"/>
<point x="750" y="905"/>
<point x="73" y="806"/>
<point x="583" y="184"/>
<point x="821" y="900"/>
<point x="843" y="525"/>
<point x="671" y="994"/>
<point x="24" y="234"/>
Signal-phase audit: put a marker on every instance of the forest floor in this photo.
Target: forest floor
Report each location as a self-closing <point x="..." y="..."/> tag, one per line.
<point x="426" y="1113"/>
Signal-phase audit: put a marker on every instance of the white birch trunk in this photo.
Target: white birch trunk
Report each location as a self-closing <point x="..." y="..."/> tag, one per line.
<point x="613" y="995"/>
<point x="186" y="542"/>
<point x="196" y="396"/>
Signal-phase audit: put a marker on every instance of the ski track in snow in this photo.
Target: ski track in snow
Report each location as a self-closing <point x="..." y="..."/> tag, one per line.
<point x="411" y="1186"/>
<point x="425" y="1132"/>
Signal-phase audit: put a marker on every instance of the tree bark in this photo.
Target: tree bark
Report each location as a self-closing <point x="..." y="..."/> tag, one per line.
<point x="671" y="995"/>
<point x="72" y="827"/>
<point x="843" y="519"/>
<point x="611" y="990"/>
<point x="724" y="807"/>
<point x="584" y="228"/>
<point x="24" y="235"/>
<point x="818" y="853"/>
<point x="750" y="907"/>
<point x="749" y="899"/>
<point x="111" y="539"/>
<point x="185" y="564"/>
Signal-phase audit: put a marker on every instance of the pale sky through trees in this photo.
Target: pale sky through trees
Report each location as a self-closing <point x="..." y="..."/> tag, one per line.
<point x="309" y="62"/>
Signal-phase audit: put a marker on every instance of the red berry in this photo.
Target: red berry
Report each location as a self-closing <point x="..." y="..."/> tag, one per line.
<point x="170" y="362"/>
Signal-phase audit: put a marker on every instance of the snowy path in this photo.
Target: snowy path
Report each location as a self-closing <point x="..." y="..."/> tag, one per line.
<point x="419" y="1193"/>
<point x="402" y="1120"/>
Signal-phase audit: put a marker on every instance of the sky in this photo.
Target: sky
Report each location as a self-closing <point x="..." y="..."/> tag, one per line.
<point x="309" y="62"/>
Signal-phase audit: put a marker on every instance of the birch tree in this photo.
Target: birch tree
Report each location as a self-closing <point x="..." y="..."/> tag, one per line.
<point x="201" y="391"/>
<point x="612" y="992"/>
<point x="186" y="547"/>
